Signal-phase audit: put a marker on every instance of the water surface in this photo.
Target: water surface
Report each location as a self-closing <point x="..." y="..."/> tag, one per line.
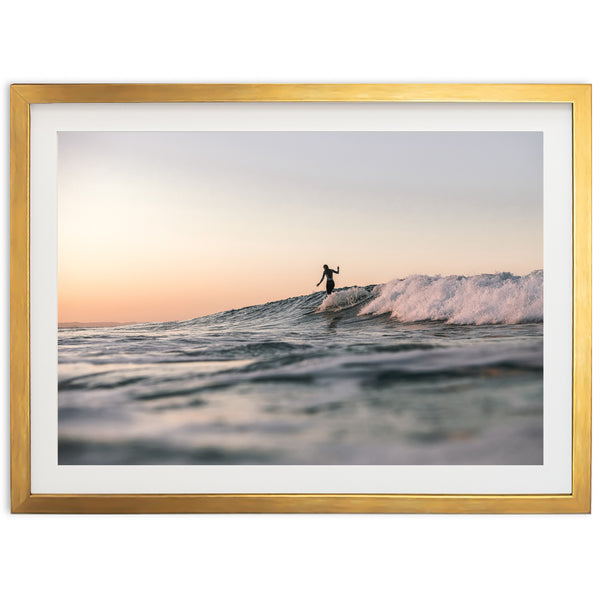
<point x="354" y="379"/>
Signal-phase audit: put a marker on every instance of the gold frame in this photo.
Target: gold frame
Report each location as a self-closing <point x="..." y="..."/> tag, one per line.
<point x="23" y="501"/>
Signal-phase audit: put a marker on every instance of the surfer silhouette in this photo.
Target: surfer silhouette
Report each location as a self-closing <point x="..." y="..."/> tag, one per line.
<point x="327" y="272"/>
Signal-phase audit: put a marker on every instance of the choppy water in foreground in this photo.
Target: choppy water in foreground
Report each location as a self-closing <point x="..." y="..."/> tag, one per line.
<point x="352" y="380"/>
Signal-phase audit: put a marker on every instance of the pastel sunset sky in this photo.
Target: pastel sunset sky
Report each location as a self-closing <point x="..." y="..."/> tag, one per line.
<point x="158" y="226"/>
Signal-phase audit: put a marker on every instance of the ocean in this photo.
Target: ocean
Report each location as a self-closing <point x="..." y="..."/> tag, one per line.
<point x="422" y="370"/>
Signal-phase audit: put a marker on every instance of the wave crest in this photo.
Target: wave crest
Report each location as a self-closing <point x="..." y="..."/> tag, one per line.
<point x="465" y="300"/>
<point x="343" y="299"/>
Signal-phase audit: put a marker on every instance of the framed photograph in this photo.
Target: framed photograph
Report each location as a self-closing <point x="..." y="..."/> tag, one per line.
<point x="301" y="298"/>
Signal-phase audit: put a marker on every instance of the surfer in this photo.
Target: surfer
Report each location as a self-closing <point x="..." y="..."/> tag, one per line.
<point x="327" y="272"/>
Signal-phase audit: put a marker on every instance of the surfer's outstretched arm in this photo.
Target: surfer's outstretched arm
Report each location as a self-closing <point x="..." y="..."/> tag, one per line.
<point x="338" y="270"/>
<point x="322" y="277"/>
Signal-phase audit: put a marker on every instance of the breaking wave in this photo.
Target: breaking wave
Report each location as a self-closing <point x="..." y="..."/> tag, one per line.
<point x="466" y="300"/>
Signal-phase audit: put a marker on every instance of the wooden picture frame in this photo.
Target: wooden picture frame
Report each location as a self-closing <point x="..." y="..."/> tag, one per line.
<point x="22" y="498"/>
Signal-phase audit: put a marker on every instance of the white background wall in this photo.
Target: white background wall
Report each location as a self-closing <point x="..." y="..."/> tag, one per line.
<point x="465" y="556"/>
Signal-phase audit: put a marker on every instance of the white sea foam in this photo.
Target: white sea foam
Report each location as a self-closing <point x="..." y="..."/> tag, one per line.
<point x="344" y="299"/>
<point x="467" y="300"/>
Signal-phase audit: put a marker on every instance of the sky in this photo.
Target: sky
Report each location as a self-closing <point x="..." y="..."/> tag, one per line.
<point x="161" y="226"/>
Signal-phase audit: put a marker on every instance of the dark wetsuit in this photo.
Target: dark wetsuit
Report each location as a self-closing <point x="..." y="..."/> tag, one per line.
<point x="330" y="283"/>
